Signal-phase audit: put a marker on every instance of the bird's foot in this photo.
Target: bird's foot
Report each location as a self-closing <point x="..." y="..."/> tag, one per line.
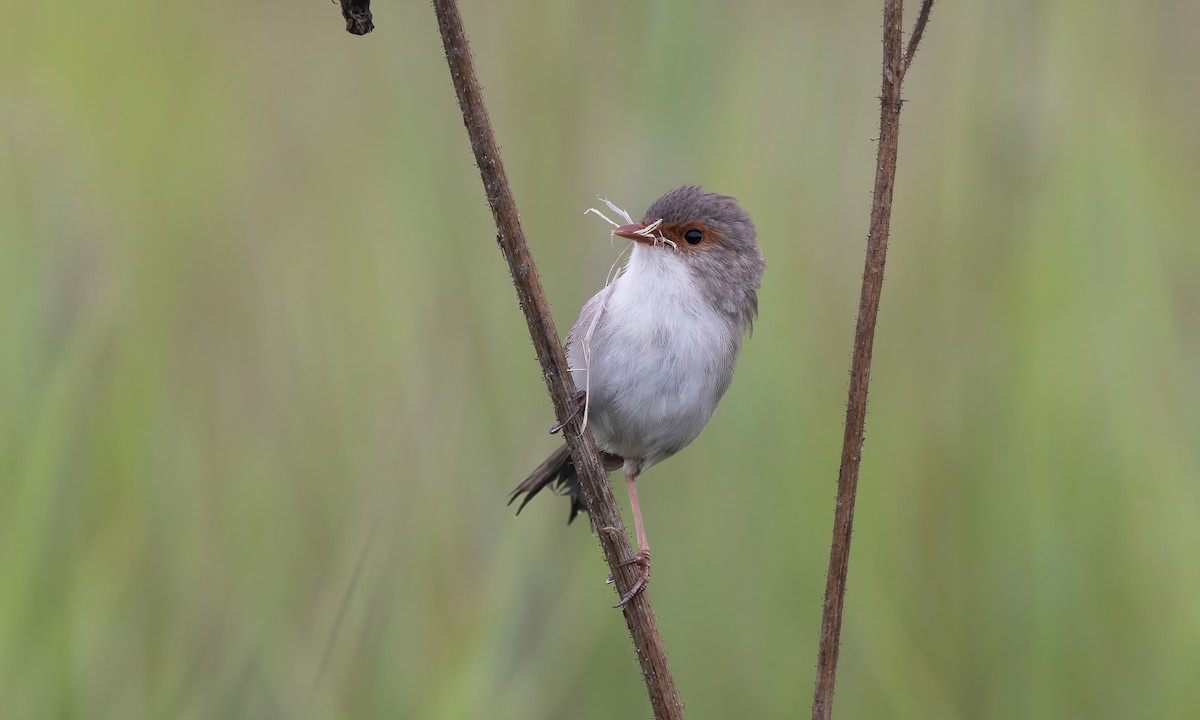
<point x="642" y="560"/>
<point x="580" y="403"/>
<point x="611" y="532"/>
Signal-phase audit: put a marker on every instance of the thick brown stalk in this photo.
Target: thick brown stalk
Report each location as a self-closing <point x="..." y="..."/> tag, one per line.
<point x="895" y="63"/>
<point x="602" y="507"/>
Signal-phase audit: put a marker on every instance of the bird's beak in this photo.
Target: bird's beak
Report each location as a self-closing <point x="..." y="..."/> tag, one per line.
<point x="633" y="232"/>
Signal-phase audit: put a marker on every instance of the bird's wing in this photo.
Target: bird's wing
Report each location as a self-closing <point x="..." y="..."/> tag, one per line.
<point x="579" y="334"/>
<point x="584" y="322"/>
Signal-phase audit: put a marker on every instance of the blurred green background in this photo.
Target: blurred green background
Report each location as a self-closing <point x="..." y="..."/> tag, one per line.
<point x="264" y="386"/>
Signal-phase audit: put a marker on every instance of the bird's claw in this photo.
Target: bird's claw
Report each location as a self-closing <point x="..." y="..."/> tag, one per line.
<point x="580" y="403"/>
<point x="611" y="532"/>
<point x="642" y="560"/>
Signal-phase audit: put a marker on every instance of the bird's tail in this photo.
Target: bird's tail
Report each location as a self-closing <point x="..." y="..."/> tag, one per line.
<point x="559" y="472"/>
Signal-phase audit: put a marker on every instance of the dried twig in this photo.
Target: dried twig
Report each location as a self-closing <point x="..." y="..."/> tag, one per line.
<point x="895" y="63"/>
<point x="602" y="507"/>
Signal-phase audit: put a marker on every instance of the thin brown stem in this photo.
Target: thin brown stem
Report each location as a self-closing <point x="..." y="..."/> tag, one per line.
<point x="918" y="32"/>
<point x="602" y="507"/>
<point x="894" y="66"/>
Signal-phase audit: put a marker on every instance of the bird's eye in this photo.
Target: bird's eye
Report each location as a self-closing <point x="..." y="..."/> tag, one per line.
<point x="693" y="236"/>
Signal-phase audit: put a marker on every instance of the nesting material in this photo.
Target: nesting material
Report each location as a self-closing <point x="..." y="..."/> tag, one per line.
<point x="649" y="232"/>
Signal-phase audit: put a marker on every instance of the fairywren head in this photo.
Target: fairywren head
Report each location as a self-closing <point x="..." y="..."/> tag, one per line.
<point x="715" y="237"/>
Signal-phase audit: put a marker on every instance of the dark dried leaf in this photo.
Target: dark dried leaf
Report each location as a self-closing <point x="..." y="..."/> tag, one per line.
<point x="358" y="16"/>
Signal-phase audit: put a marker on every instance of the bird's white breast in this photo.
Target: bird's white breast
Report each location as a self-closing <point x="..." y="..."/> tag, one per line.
<point x="659" y="359"/>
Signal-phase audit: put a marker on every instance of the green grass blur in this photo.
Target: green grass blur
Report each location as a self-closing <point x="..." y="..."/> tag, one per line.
<point x="255" y="334"/>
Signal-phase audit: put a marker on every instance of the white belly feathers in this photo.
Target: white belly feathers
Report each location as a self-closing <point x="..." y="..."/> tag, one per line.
<point x="661" y="356"/>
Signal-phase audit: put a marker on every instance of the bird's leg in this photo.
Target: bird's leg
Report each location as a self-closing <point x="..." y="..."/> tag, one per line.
<point x="642" y="558"/>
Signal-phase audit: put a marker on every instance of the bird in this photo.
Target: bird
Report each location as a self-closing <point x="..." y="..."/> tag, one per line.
<point x="653" y="352"/>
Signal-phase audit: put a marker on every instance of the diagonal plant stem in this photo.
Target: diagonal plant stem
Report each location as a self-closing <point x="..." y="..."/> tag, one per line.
<point x="896" y="62"/>
<point x="602" y="507"/>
